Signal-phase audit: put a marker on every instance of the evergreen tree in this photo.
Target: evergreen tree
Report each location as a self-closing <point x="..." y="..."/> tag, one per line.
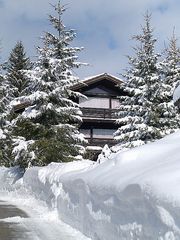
<point x="142" y="117"/>
<point x="5" y="141"/>
<point x="170" y="66"/>
<point x="2" y="90"/>
<point x="17" y="63"/>
<point x="170" y="73"/>
<point x="2" y="135"/>
<point x="52" y="120"/>
<point x="12" y="87"/>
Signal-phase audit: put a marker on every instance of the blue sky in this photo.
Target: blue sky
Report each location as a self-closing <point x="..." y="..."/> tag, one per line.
<point x="104" y="28"/>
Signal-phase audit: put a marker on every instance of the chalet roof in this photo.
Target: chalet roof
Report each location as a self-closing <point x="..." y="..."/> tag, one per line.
<point x="87" y="81"/>
<point x="97" y="78"/>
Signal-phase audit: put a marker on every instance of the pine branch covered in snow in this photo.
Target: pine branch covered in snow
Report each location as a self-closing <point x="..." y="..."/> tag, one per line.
<point x="105" y="154"/>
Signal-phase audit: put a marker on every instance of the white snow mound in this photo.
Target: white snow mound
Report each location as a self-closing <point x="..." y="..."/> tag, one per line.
<point x="133" y="195"/>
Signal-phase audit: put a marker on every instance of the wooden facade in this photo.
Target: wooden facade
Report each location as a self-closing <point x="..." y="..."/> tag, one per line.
<point x="100" y="108"/>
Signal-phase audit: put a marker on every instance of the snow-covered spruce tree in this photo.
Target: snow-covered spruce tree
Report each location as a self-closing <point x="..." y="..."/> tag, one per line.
<point x="170" y="66"/>
<point x="17" y="63"/>
<point x="170" y="73"/>
<point x="5" y="140"/>
<point x="52" y="120"/>
<point x="14" y="82"/>
<point x="141" y="115"/>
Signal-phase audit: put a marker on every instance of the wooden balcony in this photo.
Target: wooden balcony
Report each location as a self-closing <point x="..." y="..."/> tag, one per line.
<point x="100" y="113"/>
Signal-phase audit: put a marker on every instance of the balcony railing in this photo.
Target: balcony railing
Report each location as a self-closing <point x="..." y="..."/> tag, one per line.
<point x="100" y="113"/>
<point x="100" y="141"/>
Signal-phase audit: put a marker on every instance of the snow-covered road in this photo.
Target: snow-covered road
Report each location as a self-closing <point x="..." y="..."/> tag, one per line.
<point x="10" y="230"/>
<point x="16" y="224"/>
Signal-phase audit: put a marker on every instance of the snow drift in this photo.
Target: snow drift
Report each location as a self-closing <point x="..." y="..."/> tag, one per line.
<point x="134" y="195"/>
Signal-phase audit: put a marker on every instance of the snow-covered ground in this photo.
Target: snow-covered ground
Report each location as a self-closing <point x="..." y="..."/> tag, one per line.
<point x="134" y="195"/>
<point x="43" y="223"/>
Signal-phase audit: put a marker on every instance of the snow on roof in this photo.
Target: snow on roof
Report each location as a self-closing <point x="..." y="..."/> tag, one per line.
<point x="95" y="78"/>
<point x="101" y="75"/>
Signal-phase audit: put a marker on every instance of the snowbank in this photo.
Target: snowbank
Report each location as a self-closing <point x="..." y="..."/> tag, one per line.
<point x="10" y="178"/>
<point x="133" y="195"/>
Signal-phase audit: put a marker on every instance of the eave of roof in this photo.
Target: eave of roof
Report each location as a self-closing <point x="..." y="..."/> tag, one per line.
<point x="93" y="79"/>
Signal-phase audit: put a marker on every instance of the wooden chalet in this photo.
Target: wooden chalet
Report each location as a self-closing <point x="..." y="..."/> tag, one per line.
<point x="99" y="109"/>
